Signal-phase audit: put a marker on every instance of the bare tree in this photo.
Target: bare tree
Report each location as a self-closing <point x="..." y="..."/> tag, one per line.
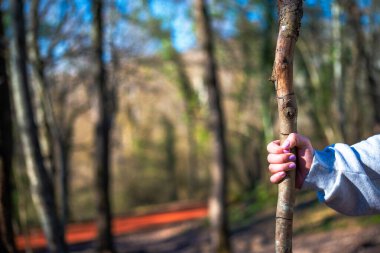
<point x="339" y="82"/>
<point x="265" y="90"/>
<point x="7" y="244"/>
<point x="191" y="103"/>
<point x="217" y="204"/>
<point x="171" y="159"/>
<point x="373" y="73"/>
<point x="44" y="119"/>
<point x="312" y="99"/>
<point x="42" y="189"/>
<point x="190" y="98"/>
<point x="102" y="135"/>
<point x="51" y="135"/>
<point x="54" y="102"/>
<point x="59" y="135"/>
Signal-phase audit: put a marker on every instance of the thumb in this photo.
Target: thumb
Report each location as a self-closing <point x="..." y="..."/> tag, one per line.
<point x="295" y="140"/>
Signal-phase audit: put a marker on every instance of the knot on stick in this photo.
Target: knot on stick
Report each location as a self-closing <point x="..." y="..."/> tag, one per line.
<point x="290" y="112"/>
<point x="288" y="105"/>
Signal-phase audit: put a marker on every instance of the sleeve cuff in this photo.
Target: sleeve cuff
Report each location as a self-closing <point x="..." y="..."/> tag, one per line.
<point x="321" y="175"/>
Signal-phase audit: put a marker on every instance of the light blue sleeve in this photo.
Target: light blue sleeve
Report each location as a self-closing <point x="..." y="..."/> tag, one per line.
<point x="347" y="178"/>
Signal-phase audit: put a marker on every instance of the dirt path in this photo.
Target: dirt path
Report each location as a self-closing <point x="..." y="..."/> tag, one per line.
<point x="259" y="239"/>
<point x="81" y="233"/>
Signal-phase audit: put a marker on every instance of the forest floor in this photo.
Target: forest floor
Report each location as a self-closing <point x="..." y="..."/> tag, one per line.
<point x="316" y="229"/>
<point x="258" y="238"/>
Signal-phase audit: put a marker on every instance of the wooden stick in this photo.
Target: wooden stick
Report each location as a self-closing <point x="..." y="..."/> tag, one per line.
<point x="290" y="14"/>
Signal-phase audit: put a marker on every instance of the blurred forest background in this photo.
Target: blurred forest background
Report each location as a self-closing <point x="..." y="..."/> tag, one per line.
<point x="108" y="107"/>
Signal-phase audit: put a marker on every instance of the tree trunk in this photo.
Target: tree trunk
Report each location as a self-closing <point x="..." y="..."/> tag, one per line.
<point x="355" y="15"/>
<point x="324" y="130"/>
<point x="267" y="61"/>
<point x="42" y="189"/>
<point x="44" y="115"/>
<point x="7" y="244"/>
<point x="290" y="14"/>
<point x="64" y="150"/>
<point x="170" y="161"/>
<point x="56" y="140"/>
<point x="356" y="110"/>
<point x="217" y="204"/>
<point x="191" y="106"/>
<point x="251" y="171"/>
<point x="338" y="70"/>
<point x="102" y="136"/>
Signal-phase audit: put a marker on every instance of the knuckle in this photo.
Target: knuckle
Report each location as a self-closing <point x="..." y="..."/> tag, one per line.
<point x="274" y="179"/>
<point x="273" y="168"/>
<point x="270" y="168"/>
<point x="271" y="158"/>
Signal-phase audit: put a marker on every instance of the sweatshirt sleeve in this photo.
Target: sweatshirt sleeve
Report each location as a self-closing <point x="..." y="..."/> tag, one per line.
<point x="347" y="178"/>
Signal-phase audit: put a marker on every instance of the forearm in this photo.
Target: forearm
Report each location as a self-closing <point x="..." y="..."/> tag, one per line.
<point x="347" y="178"/>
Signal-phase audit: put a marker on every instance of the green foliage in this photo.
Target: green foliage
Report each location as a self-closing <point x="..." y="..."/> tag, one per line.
<point x="167" y="49"/>
<point x="202" y="135"/>
<point x="250" y="203"/>
<point x="370" y="220"/>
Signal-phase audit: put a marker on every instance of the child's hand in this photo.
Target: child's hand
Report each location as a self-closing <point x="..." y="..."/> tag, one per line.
<point x="281" y="160"/>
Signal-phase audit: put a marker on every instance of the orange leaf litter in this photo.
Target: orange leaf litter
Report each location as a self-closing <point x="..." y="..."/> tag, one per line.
<point x="77" y="233"/>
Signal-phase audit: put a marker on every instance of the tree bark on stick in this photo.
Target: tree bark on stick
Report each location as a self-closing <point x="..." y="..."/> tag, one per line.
<point x="290" y="14"/>
<point x="41" y="187"/>
<point x="218" y="206"/>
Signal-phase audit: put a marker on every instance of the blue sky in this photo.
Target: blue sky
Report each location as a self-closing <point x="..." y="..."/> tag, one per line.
<point x="176" y="15"/>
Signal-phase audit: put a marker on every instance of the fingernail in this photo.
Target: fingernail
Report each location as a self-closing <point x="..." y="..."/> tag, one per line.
<point x="292" y="166"/>
<point x="286" y="144"/>
<point x="282" y="174"/>
<point x="286" y="151"/>
<point x="292" y="158"/>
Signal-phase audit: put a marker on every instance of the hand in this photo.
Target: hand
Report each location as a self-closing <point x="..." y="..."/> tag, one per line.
<point x="281" y="160"/>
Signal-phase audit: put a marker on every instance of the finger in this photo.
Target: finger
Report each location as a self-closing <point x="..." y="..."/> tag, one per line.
<point x="276" y="178"/>
<point x="281" y="158"/>
<point x="295" y="140"/>
<point x="275" y="168"/>
<point x="274" y="147"/>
